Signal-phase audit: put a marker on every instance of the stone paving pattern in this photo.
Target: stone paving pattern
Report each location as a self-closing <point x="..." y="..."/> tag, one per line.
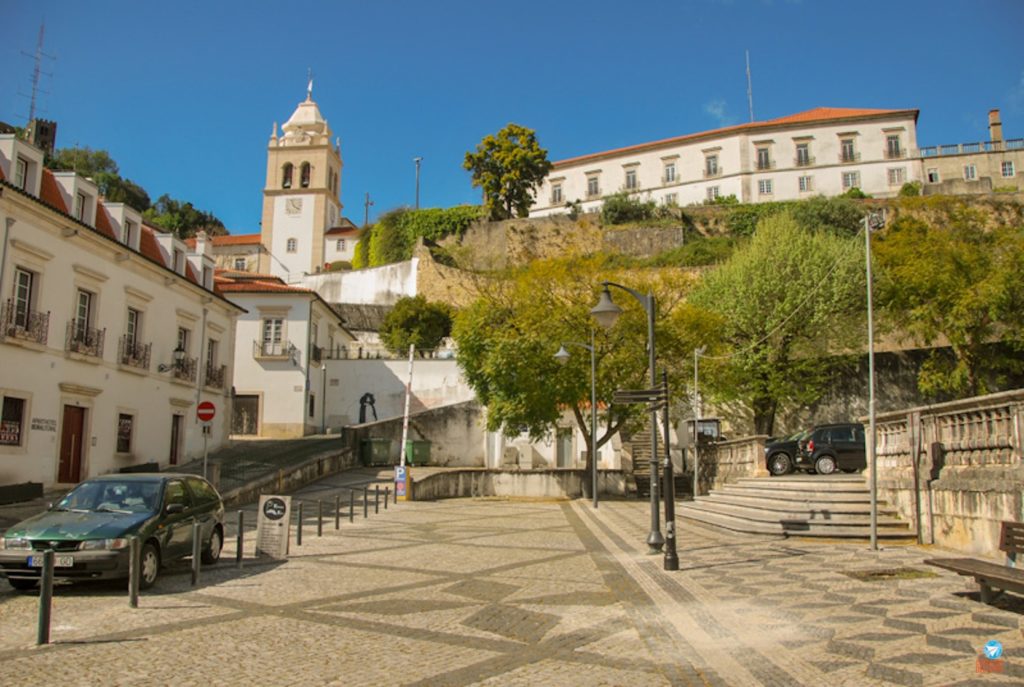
<point x="493" y="592"/>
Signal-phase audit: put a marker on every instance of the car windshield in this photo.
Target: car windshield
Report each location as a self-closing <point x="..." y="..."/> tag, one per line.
<point x="111" y="496"/>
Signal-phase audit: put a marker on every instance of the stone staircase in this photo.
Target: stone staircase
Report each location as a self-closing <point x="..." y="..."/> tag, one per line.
<point x="796" y="505"/>
<point x="640" y="444"/>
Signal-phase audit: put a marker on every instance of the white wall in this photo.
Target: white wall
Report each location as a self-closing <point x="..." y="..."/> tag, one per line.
<point x="373" y="286"/>
<point x="298" y="226"/>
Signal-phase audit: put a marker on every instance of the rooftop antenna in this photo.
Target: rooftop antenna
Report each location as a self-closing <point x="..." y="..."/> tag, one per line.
<point x="37" y="71"/>
<point x="750" y="88"/>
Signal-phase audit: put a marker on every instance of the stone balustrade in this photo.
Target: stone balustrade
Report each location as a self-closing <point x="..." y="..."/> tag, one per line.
<point x="726" y="461"/>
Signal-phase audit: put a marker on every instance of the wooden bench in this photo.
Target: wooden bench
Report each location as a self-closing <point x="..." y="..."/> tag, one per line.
<point x="992" y="576"/>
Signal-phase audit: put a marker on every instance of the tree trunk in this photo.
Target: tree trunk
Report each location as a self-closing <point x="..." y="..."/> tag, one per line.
<point x="764" y="415"/>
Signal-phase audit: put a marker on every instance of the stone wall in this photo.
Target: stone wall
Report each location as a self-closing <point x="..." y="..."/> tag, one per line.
<point x="456" y="433"/>
<point x="725" y="462"/>
<point x="550" y="483"/>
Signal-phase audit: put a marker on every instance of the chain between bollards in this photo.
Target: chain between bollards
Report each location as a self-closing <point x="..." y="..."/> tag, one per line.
<point x="298" y="530"/>
<point x="133" y="572"/>
<point x="239" y="542"/>
<point x="45" y="598"/>
<point x="196" y="551"/>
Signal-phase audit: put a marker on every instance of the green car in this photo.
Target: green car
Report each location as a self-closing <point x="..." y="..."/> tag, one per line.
<point x="89" y="529"/>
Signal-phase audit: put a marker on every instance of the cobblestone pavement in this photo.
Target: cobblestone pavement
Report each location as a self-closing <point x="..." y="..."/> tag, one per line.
<point x="478" y="591"/>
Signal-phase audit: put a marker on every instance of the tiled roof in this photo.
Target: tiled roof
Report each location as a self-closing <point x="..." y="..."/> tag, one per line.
<point x="2" y="177"/>
<point x="229" y="240"/>
<point x="818" y="114"/>
<point x="341" y="231"/>
<point x="50" y="194"/>
<point x="103" y="225"/>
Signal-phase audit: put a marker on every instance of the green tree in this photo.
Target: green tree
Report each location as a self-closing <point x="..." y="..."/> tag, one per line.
<point x="508" y="337"/>
<point x="83" y="160"/>
<point x="959" y="282"/>
<point x="418" y="322"/>
<point x="118" y="190"/>
<point x="787" y="303"/>
<point x="508" y="167"/>
<point x="389" y="241"/>
<point x="182" y="218"/>
<point x="361" y="256"/>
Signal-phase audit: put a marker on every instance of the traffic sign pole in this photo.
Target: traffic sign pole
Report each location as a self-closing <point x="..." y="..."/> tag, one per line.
<point x="205" y="412"/>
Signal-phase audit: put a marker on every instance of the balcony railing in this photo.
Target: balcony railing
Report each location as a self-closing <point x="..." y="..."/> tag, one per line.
<point x="712" y="173"/>
<point x="765" y="164"/>
<point x="962" y="148"/>
<point x="133" y="354"/>
<point x="316" y="353"/>
<point x="84" y="340"/>
<point x="849" y="157"/>
<point x="185" y="370"/>
<point x="27" y="325"/>
<point x="272" y="350"/>
<point x="215" y="376"/>
<point x="898" y="154"/>
<point x="803" y="161"/>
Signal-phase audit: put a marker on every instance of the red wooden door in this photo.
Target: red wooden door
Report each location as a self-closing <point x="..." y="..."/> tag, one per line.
<point x="71" y="439"/>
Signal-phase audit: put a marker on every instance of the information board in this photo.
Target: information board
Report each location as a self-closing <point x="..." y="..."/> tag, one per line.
<point x="273" y="526"/>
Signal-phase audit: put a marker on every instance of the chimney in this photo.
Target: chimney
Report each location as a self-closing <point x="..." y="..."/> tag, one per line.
<point x="995" y="127"/>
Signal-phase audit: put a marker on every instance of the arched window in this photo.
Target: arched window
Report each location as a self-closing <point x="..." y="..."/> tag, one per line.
<point x="304" y="175"/>
<point x="286" y="175"/>
<point x="293" y="245"/>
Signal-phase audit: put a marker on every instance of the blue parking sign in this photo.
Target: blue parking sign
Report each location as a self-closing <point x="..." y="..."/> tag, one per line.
<point x="400" y="473"/>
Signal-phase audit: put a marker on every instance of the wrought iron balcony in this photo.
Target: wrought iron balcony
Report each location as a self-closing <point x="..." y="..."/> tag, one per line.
<point x="28" y="325"/>
<point x="806" y="161"/>
<point x="765" y="164"/>
<point x="272" y="350"/>
<point x="712" y="173"/>
<point x="134" y="354"/>
<point x="215" y="376"/>
<point x="849" y="156"/>
<point x="316" y="353"/>
<point x="185" y="370"/>
<point x="897" y="154"/>
<point x="84" y="340"/>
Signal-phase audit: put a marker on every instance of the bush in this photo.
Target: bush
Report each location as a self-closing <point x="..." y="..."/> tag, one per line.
<point x="417" y="321"/>
<point x="339" y="266"/>
<point x="839" y="215"/>
<point x="911" y="188"/>
<point x="620" y="208"/>
<point x="855" y="193"/>
<point x="730" y="199"/>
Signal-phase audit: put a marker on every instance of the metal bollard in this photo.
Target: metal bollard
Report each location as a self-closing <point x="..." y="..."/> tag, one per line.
<point x="387" y="496"/>
<point x="319" y="518"/>
<point x="366" y="503"/>
<point x="298" y="531"/>
<point x="376" y="499"/>
<point x="133" y="572"/>
<point x="337" y="511"/>
<point x="351" y="505"/>
<point x="45" y="598"/>
<point x="196" y="551"/>
<point x="240" y="541"/>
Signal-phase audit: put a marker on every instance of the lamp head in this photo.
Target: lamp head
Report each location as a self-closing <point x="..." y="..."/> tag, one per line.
<point x="562" y="356"/>
<point x="178" y="354"/>
<point x="606" y="312"/>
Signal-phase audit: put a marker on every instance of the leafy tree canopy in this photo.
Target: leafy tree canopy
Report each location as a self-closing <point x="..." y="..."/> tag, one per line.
<point x="418" y="322"/>
<point x="786" y="303"/>
<point x="959" y="282"/>
<point x="394" y="236"/>
<point x="508" y="166"/>
<point x="182" y="219"/>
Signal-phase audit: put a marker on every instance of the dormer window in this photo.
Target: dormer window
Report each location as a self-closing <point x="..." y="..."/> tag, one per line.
<point x="80" y="199"/>
<point x="21" y="173"/>
<point x="127" y="232"/>
<point x="304" y="175"/>
<point x="179" y="261"/>
<point x="286" y="175"/>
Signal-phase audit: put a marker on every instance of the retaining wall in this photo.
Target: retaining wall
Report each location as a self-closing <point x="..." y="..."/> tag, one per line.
<point x="551" y="483"/>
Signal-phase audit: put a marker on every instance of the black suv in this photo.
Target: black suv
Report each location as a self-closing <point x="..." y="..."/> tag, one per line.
<point x="832" y="447"/>
<point x="779" y="453"/>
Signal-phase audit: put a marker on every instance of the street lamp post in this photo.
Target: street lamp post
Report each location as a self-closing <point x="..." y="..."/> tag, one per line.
<point x="417" y="160"/>
<point x="606" y="313"/>
<point x="562" y="356"/>
<point x="873" y="220"/>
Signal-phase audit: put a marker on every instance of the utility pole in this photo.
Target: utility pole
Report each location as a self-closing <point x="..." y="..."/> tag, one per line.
<point x="366" y="210"/>
<point x="417" y="160"/>
<point x="37" y="71"/>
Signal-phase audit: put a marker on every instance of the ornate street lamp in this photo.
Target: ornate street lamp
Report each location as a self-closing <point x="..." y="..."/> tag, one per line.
<point x="562" y="356"/>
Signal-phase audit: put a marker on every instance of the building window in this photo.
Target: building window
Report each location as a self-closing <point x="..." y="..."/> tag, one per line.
<point x="670" y="200"/>
<point x="593" y="188"/>
<point x="21" y="173"/>
<point x="803" y="155"/>
<point x="126" y="232"/>
<point x="80" y="207"/>
<point x="970" y="172"/>
<point x="292" y="245"/>
<point x="556" y="194"/>
<point x="933" y="175"/>
<point x="339" y="245"/>
<point x="892" y="147"/>
<point x="23" y="293"/>
<point x="711" y="166"/>
<point x="183" y="339"/>
<point x="712" y="192"/>
<point x="849" y="154"/>
<point x="12" y="421"/>
<point x="851" y="180"/>
<point x="304" y="175"/>
<point x="272" y="334"/>
<point x="764" y="187"/>
<point x="179" y="261"/>
<point x="83" y="314"/>
<point x="125" y="423"/>
<point x="131" y="329"/>
<point x="286" y="175"/>
<point x="670" y="172"/>
<point x="763" y="159"/>
<point x="806" y="183"/>
<point x="897" y="176"/>
<point x="1007" y="168"/>
<point x="631" y="184"/>
<point x="211" y="354"/>
<point x="240" y="264"/>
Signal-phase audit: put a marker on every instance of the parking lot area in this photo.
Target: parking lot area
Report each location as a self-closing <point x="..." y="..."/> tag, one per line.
<point x="482" y="591"/>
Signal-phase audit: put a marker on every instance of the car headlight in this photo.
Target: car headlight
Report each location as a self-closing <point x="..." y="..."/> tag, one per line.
<point x="103" y="544"/>
<point x="15" y="543"/>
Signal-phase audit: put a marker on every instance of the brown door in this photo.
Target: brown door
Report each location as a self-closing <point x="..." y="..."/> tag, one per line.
<point x="71" y="438"/>
<point x="245" y="415"/>
<point x="176" y="421"/>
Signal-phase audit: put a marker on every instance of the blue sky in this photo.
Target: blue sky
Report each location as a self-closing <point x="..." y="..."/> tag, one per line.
<point x="184" y="94"/>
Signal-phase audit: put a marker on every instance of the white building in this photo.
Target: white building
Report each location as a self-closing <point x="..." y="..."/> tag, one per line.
<point x="821" y="151"/>
<point x="282" y="343"/>
<point x="110" y="332"/>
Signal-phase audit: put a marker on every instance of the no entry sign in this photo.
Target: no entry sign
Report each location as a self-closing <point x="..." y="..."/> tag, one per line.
<point x="205" y="411"/>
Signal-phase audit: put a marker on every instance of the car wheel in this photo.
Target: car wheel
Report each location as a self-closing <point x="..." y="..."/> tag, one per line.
<point x="149" y="566"/>
<point x="825" y="465"/>
<point x="211" y="554"/>
<point x="779" y="464"/>
<point x="23" y="585"/>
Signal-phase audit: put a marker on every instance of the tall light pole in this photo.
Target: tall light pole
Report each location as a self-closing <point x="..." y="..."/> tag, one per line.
<point x="562" y="356"/>
<point x="606" y="313"/>
<point x="417" y="160"/>
<point x="873" y="220"/>
<point x="366" y="210"/>
<point x="697" y="353"/>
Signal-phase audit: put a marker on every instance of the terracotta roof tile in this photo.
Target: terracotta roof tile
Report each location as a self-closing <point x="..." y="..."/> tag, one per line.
<point x="229" y="240"/>
<point x="818" y="114"/>
<point x="103" y="224"/>
<point x="50" y="193"/>
<point x="149" y="247"/>
<point x="2" y="177"/>
<point x="261" y="287"/>
<point x="341" y="231"/>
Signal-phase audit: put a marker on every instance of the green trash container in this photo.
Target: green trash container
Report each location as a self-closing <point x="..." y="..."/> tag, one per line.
<point x="417" y="452"/>
<point x="375" y="451"/>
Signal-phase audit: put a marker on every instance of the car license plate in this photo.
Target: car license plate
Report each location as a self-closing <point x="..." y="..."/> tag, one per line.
<point x="58" y="561"/>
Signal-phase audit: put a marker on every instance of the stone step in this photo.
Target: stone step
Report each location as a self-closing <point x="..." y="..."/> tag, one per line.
<point x="694" y="512"/>
<point x="816" y="482"/>
<point x="796" y="495"/>
<point x="823" y="516"/>
<point x="790" y="505"/>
